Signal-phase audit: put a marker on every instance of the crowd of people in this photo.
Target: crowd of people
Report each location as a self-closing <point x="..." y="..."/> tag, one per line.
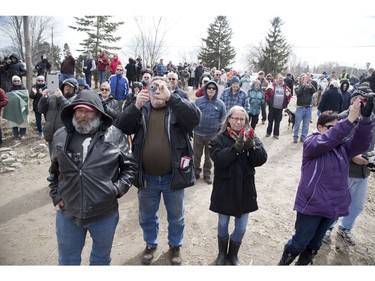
<point x="143" y="127"/>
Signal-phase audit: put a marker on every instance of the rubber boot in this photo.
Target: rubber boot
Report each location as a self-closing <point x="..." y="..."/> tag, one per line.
<point x="223" y="248"/>
<point x="306" y="257"/>
<point x="233" y="252"/>
<point x="287" y="257"/>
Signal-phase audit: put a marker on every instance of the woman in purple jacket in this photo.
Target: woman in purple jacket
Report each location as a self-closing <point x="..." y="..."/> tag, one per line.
<point x="323" y="194"/>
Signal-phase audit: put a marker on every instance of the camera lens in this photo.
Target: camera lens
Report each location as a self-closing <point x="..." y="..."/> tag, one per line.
<point x="152" y="89"/>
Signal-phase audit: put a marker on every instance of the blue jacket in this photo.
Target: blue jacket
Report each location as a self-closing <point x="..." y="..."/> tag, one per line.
<point x="119" y="86"/>
<point x="323" y="187"/>
<point x="256" y="100"/>
<point x="212" y="113"/>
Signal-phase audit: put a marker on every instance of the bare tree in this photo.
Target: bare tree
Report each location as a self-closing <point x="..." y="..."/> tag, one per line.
<point x="150" y="40"/>
<point x="39" y="27"/>
<point x="26" y="31"/>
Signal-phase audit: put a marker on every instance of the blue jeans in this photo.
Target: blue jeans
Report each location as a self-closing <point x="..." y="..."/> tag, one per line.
<point x="65" y="76"/>
<point x="38" y="121"/>
<point x="102" y="76"/>
<point x="239" y="227"/>
<point x="71" y="239"/>
<point x="88" y="77"/>
<point x="309" y="233"/>
<point x="149" y="201"/>
<point x="358" y="191"/>
<point x="302" y="114"/>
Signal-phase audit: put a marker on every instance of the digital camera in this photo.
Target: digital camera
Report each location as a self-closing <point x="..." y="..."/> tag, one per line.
<point x="152" y="88"/>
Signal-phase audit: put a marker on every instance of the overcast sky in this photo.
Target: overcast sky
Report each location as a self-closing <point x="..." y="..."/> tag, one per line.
<point x="318" y="31"/>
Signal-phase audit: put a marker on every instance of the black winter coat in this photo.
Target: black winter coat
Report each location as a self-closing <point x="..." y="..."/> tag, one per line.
<point x="234" y="192"/>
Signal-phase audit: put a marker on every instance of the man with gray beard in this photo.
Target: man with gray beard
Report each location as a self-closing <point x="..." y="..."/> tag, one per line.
<point x="91" y="166"/>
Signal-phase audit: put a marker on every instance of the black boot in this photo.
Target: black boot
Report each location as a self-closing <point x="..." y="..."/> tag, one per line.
<point x="306" y="257"/>
<point x="233" y="252"/>
<point x="287" y="257"/>
<point x="223" y="248"/>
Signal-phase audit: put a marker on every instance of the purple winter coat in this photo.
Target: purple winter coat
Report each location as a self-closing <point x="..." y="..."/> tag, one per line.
<point x="323" y="187"/>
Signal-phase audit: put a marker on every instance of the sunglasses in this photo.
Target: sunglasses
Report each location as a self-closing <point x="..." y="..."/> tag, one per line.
<point x="211" y="88"/>
<point x="328" y="126"/>
<point x="105" y="89"/>
<point x="17" y="81"/>
<point x="172" y="79"/>
<point x="119" y="69"/>
<point x="40" y="80"/>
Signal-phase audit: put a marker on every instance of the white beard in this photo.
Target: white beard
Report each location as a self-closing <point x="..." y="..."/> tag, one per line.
<point x="84" y="128"/>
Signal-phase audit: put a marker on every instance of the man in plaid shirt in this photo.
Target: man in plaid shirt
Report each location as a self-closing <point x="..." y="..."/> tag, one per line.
<point x="233" y="95"/>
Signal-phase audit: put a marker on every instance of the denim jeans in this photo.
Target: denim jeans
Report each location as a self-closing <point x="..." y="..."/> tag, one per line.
<point x="358" y="191"/>
<point x="38" y="121"/>
<point x="302" y="114"/>
<point x="309" y="233"/>
<point x="71" y="239"/>
<point x="102" y="76"/>
<point x="200" y="144"/>
<point x="240" y="225"/>
<point x="65" y="76"/>
<point x="149" y="201"/>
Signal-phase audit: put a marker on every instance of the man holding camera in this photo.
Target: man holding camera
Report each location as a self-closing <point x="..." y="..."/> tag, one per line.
<point x="304" y="93"/>
<point x="161" y="122"/>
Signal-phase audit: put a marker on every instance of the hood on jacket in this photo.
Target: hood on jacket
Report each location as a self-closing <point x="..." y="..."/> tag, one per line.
<point x="90" y="98"/>
<point x="211" y="82"/>
<point x="15" y="55"/>
<point x="82" y="82"/>
<point x="72" y="82"/>
<point x="342" y="85"/>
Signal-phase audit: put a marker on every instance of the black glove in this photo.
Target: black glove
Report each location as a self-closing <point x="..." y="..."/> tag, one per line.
<point x="366" y="110"/>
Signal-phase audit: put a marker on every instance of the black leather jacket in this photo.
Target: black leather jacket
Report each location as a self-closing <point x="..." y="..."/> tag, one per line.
<point x="89" y="189"/>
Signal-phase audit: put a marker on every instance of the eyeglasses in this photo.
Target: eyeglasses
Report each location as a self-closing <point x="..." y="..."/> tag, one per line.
<point x="172" y="79"/>
<point x="40" y="80"/>
<point x="328" y="126"/>
<point x="238" y="119"/>
<point x="211" y="88"/>
<point x="105" y="89"/>
<point x="17" y="81"/>
<point x="119" y="69"/>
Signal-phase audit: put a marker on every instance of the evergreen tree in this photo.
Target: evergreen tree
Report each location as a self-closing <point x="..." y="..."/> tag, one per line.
<point x="100" y="35"/>
<point x="99" y="31"/>
<point x="273" y="56"/>
<point x="218" y="51"/>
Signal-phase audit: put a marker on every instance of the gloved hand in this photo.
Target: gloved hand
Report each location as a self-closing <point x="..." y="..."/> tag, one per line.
<point x="240" y="140"/>
<point x="249" y="138"/>
<point x="366" y="110"/>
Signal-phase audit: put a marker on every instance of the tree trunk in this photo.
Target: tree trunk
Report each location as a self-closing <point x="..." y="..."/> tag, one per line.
<point x="29" y="65"/>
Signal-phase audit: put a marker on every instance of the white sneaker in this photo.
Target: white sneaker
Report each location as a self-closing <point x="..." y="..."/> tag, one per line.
<point x="327" y="236"/>
<point x="347" y="236"/>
